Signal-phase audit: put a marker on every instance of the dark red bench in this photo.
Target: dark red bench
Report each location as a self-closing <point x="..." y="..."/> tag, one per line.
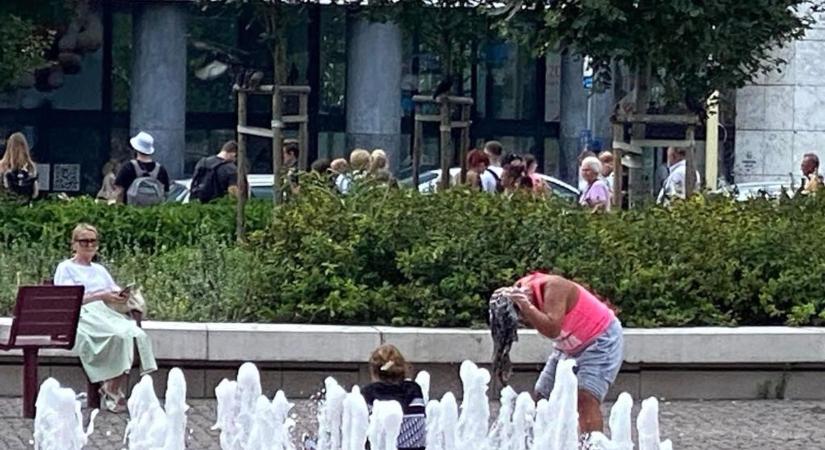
<point x="44" y="317"/>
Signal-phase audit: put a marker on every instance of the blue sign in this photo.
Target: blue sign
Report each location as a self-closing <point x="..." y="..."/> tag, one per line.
<point x="585" y="136"/>
<point x="587" y="82"/>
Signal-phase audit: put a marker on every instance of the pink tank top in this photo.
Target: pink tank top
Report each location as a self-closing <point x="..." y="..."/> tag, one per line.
<point x="582" y="324"/>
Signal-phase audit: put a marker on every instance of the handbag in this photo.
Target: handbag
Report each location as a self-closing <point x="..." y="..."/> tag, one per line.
<point x="136" y="302"/>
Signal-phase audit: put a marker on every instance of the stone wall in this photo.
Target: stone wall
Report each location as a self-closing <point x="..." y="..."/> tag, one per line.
<point x="782" y="116"/>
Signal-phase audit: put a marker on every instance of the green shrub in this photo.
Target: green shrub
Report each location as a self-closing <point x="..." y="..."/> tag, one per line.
<point x="399" y="258"/>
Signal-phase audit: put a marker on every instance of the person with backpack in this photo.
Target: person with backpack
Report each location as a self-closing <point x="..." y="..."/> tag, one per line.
<point x="491" y="177"/>
<point x="18" y="171"/>
<point x="216" y="175"/>
<point x="142" y="181"/>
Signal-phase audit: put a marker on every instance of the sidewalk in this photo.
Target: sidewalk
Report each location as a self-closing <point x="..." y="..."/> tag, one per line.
<point x="691" y="425"/>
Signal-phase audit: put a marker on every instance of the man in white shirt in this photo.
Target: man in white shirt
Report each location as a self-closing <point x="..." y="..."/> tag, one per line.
<point x="674" y="186"/>
<point x="606" y="157"/>
<point x="491" y="178"/>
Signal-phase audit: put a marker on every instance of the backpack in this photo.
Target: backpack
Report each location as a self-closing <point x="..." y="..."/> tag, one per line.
<point x="205" y="184"/>
<point x="20" y="182"/>
<point x="499" y="186"/>
<point x="146" y="190"/>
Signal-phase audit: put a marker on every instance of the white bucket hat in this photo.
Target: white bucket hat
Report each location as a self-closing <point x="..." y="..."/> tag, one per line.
<point x="143" y="143"/>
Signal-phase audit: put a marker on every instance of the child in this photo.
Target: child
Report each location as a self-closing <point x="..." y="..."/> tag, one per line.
<point x="389" y="371"/>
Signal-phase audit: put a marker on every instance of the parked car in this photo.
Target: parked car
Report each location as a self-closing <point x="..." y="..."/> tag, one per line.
<point x="428" y="182"/>
<point x="766" y="189"/>
<point x="260" y="186"/>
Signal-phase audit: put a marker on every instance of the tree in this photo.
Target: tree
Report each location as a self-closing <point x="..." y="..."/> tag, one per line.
<point x="691" y="48"/>
<point x="27" y="33"/>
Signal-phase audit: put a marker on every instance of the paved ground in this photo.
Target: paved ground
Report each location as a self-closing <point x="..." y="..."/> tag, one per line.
<point x="769" y="425"/>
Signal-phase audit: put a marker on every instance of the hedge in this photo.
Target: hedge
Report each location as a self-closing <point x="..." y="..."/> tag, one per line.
<point x="396" y="257"/>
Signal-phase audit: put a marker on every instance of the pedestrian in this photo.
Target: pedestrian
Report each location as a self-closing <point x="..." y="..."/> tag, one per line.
<point x="108" y="191"/>
<point x="596" y="195"/>
<point x="216" y="175"/>
<point x="675" y="182"/>
<point x="379" y="167"/>
<point x="18" y="172"/>
<point x="811" y="179"/>
<point x="339" y="169"/>
<point x="581" y="327"/>
<point x="584" y="154"/>
<point x="390" y="375"/>
<point x="491" y="177"/>
<point x="531" y="167"/>
<point x="606" y="158"/>
<point x="142" y="181"/>
<point x="477" y="163"/>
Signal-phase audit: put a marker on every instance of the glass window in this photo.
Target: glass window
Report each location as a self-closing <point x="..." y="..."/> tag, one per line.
<point x="333" y="59"/>
<point x="201" y="143"/>
<point x="512" y="70"/>
<point x="332" y="145"/>
<point x="121" y="60"/>
<point x="73" y="170"/>
<point x="211" y="49"/>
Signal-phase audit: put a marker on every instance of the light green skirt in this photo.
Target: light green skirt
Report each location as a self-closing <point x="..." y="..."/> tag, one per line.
<point x="106" y="343"/>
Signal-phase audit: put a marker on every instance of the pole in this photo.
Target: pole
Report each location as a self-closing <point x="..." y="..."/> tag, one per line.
<point x="446" y="156"/>
<point x="712" y="142"/>
<point x="277" y="141"/>
<point x="243" y="190"/>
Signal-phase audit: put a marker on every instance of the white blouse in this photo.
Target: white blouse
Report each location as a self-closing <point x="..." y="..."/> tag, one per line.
<point x="95" y="278"/>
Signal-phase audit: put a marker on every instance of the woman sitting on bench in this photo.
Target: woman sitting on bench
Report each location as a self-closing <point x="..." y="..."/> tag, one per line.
<point x="105" y="338"/>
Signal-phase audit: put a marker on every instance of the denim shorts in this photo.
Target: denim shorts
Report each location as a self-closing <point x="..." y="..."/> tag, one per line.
<point x="596" y="366"/>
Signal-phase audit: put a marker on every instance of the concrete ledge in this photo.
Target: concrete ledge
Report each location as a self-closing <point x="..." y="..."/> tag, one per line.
<point x="675" y="363"/>
<point x="185" y="341"/>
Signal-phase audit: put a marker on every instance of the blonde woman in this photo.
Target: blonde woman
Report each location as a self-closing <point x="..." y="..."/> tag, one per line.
<point x="108" y="191"/>
<point x="106" y="339"/>
<point x="17" y="170"/>
<point x="379" y="166"/>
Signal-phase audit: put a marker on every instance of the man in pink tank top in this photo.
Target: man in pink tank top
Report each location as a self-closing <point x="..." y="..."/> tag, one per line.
<point x="582" y="328"/>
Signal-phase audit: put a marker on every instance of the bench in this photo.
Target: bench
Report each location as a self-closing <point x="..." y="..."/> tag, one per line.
<point x="44" y="317"/>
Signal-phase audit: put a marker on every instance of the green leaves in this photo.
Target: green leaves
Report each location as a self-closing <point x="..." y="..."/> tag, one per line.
<point x="695" y="47"/>
<point x="395" y="257"/>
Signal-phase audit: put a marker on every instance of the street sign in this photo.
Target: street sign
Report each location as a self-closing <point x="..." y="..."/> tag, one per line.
<point x="587" y="73"/>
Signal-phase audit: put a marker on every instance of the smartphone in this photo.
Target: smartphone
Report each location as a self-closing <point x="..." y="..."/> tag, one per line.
<point x="125" y="291"/>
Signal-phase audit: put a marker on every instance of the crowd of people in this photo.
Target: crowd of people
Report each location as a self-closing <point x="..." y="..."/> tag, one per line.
<point x="142" y="181"/>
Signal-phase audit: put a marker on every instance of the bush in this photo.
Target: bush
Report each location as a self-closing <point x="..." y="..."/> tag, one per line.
<point x="396" y="257"/>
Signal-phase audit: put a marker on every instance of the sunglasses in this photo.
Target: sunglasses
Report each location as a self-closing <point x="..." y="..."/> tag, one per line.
<point x="86" y="242"/>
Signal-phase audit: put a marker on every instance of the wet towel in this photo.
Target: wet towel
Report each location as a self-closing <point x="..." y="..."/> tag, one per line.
<point x="504" y="329"/>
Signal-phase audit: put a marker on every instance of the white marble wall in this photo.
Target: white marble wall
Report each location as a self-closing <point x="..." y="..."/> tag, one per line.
<point x="782" y="116"/>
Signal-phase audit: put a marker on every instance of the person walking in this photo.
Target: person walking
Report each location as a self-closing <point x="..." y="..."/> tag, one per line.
<point x="142" y="181"/>
<point x="676" y="180"/>
<point x="217" y="175"/>
<point x="18" y="172"/>
<point x="595" y="195"/>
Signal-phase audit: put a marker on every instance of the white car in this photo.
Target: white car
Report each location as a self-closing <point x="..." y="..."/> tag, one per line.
<point x="767" y="189"/>
<point x="428" y="182"/>
<point x="260" y="186"/>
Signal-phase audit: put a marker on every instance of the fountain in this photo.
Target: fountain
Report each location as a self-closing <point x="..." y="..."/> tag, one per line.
<point x="385" y="425"/>
<point x="58" y="423"/>
<point x="248" y="420"/>
<point x="153" y="428"/>
<point x="647" y="424"/>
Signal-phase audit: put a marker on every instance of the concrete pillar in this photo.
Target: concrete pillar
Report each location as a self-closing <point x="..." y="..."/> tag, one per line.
<point x="574" y="116"/>
<point x="158" y="97"/>
<point x="374" y="88"/>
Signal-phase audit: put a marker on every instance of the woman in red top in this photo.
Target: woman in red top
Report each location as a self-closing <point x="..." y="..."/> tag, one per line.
<point x="582" y="328"/>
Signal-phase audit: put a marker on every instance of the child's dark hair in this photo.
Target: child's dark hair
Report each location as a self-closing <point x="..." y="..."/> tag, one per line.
<point x="388" y="364"/>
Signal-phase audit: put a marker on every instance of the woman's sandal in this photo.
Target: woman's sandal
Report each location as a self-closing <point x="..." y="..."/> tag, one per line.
<point x="113" y="403"/>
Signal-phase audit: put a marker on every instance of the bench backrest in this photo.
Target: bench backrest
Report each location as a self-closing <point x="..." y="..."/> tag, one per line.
<point x="46" y="316"/>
